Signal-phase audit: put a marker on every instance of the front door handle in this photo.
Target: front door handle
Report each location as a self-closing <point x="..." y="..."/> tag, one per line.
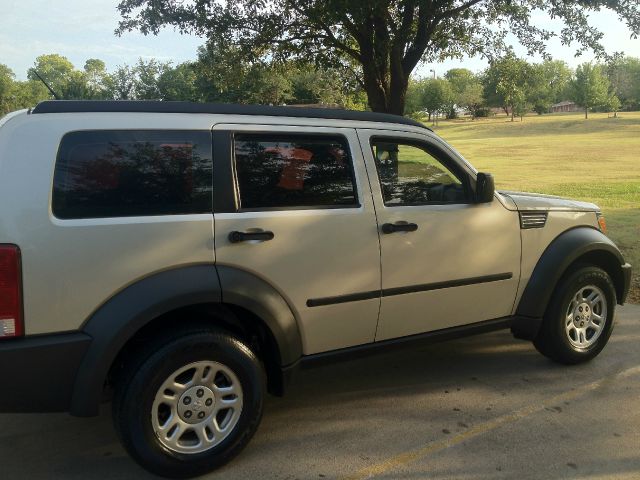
<point x="237" y="237"/>
<point x="399" y="227"/>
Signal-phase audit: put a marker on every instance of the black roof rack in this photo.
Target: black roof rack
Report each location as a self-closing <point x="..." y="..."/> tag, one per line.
<point x="151" y="106"/>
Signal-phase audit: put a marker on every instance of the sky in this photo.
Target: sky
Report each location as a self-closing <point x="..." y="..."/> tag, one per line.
<point x="82" y="29"/>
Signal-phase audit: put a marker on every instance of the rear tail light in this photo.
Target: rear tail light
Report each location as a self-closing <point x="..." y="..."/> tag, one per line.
<point x="11" y="321"/>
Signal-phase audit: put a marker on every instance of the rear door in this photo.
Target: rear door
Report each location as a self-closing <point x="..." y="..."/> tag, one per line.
<point x="446" y="260"/>
<point x="300" y="216"/>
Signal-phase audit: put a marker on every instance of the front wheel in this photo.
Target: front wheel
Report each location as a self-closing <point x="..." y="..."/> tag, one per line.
<point x="191" y="405"/>
<point x="579" y="320"/>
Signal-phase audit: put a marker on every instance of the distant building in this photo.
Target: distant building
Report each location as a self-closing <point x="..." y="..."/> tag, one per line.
<point x="565" y="106"/>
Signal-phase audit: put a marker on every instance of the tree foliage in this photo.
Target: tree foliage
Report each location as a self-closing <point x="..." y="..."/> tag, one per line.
<point x="466" y="90"/>
<point x="547" y="84"/>
<point x="386" y="39"/>
<point x="590" y="87"/>
<point x="624" y="76"/>
<point x="513" y="76"/>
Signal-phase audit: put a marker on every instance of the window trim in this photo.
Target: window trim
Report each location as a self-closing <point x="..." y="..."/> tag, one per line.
<point x="441" y="155"/>
<point x="281" y="133"/>
<point x="102" y="218"/>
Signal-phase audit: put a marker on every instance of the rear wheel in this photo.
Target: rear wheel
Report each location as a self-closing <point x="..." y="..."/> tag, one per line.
<point x="190" y="405"/>
<point x="579" y="320"/>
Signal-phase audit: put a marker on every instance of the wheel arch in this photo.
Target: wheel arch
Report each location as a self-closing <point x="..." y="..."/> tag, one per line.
<point x="156" y="303"/>
<point x="578" y="245"/>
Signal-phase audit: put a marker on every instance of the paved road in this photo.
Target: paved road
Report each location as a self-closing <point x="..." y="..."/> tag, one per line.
<point x="486" y="407"/>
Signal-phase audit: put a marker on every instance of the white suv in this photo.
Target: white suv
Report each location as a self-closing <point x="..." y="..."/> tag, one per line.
<point x="183" y="259"/>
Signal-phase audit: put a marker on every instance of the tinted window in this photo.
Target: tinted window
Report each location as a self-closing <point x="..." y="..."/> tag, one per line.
<point x="288" y="171"/>
<point x="411" y="175"/>
<point x="133" y="173"/>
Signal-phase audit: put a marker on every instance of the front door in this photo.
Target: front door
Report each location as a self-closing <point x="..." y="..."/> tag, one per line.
<point x="306" y="225"/>
<point x="446" y="260"/>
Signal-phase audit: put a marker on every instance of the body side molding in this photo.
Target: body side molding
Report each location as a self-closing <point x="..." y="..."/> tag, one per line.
<point x="390" y="292"/>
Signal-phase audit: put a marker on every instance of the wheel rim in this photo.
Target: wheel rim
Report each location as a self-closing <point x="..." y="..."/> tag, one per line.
<point x="197" y="407"/>
<point x="586" y="317"/>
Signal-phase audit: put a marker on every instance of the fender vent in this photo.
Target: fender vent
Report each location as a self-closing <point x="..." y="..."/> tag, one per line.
<point x="533" y="219"/>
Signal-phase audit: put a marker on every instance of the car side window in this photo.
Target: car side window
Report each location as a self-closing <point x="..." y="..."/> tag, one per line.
<point x="284" y="171"/>
<point x="124" y="173"/>
<point x="413" y="174"/>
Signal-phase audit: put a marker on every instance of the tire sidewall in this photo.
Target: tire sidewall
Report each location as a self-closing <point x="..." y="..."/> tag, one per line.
<point x="574" y="282"/>
<point x="138" y="403"/>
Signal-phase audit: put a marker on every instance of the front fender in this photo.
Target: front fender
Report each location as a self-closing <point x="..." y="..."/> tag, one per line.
<point x="567" y="248"/>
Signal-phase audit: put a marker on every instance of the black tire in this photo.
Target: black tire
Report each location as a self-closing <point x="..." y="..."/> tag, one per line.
<point x="553" y="340"/>
<point x="136" y="391"/>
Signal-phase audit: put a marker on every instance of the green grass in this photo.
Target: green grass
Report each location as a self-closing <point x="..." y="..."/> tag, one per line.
<point x="596" y="160"/>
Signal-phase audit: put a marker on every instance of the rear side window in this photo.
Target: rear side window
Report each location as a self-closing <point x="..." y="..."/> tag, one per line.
<point x="124" y="173"/>
<point x="294" y="171"/>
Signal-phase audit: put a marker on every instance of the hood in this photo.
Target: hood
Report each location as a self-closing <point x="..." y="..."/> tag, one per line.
<point x="538" y="201"/>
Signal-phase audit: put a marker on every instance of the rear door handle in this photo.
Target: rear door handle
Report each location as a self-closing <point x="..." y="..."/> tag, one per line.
<point x="237" y="237"/>
<point x="399" y="227"/>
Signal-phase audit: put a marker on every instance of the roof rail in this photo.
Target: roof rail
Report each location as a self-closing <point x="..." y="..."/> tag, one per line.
<point x="154" y="106"/>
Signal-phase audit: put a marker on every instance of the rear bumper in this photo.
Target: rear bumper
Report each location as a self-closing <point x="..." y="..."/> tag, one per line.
<point x="37" y="374"/>
<point x="626" y="274"/>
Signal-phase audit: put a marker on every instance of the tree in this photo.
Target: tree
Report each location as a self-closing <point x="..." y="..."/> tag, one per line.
<point x="221" y="71"/>
<point x="268" y="85"/>
<point x="179" y="83"/>
<point x="7" y="80"/>
<point x="509" y="76"/>
<point x="466" y="88"/>
<point x="98" y="81"/>
<point x="624" y="76"/>
<point x="325" y="86"/>
<point x="436" y="97"/>
<point x="386" y="39"/>
<point x="547" y="84"/>
<point x="590" y="87"/>
<point x="613" y="105"/>
<point x="147" y="75"/>
<point x="27" y="94"/>
<point x="54" y="69"/>
<point x="414" y="104"/>
<point x="122" y="83"/>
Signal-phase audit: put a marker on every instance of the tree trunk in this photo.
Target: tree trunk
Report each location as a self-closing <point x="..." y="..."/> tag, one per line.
<point x="398" y="85"/>
<point x="386" y="85"/>
<point x="586" y="112"/>
<point x="386" y="95"/>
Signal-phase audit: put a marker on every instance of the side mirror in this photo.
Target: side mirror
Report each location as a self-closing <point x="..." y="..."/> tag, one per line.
<point x="485" y="188"/>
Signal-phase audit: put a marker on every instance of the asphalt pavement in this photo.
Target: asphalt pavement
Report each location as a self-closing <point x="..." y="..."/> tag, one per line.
<point x="485" y="407"/>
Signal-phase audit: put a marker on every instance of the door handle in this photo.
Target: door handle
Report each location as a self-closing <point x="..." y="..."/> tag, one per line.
<point x="237" y="237"/>
<point x="399" y="227"/>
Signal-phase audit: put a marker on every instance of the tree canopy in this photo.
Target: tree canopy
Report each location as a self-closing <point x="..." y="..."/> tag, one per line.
<point x="384" y="39"/>
<point x="221" y="75"/>
<point x="590" y="88"/>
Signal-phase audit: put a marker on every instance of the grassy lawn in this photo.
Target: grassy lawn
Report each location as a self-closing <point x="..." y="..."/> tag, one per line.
<point x="596" y="160"/>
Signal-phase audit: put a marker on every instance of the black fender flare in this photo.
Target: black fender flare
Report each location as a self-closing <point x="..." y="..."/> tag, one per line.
<point x="114" y="323"/>
<point x="246" y="290"/>
<point x="564" y="250"/>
